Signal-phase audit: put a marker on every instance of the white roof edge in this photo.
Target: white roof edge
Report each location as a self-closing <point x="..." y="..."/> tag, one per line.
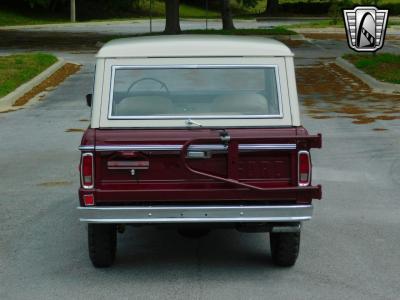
<point x="194" y="46"/>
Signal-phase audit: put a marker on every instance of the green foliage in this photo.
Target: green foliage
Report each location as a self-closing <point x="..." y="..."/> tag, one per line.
<point x="20" y="68"/>
<point x="40" y="3"/>
<point x="336" y="7"/>
<point x="369" y="2"/>
<point x="44" y="3"/>
<point x="9" y="18"/>
<point x="248" y="3"/>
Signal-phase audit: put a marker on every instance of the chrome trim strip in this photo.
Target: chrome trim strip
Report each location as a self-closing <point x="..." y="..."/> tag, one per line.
<point x="195" y="214"/>
<point x="205" y="147"/>
<point x="86" y="148"/>
<point x="267" y="146"/>
<point x="139" y="147"/>
<point x="195" y="117"/>
<point x="193" y="66"/>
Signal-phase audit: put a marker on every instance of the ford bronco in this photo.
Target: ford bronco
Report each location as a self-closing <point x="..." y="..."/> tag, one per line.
<point x="196" y="133"/>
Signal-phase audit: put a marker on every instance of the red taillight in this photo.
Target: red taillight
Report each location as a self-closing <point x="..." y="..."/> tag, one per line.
<point x="304" y="168"/>
<point x="87" y="174"/>
<point x="88" y="200"/>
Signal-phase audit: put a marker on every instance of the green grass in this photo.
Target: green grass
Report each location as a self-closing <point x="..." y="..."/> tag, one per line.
<point x="20" y="68"/>
<point x="384" y="67"/>
<point x="394" y="23"/>
<point x="9" y="18"/>
<point x="185" y="11"/>
<point x="270" y="31"/>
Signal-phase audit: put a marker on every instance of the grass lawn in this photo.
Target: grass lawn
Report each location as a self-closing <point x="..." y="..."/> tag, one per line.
<point x="9" y="18"/>
<point x="257" y="31"/>
<point x="20" y="68"/>
<point x="185" y="11"/>
<point x="384" y="67"/>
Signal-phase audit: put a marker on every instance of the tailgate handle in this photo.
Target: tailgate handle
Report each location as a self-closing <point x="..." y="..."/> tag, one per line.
<point x="183" y="156"/>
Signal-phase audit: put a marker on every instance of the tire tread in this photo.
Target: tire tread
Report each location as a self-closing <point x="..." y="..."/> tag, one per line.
<point x="285" y="248"/>
<point x="102" y="240"/>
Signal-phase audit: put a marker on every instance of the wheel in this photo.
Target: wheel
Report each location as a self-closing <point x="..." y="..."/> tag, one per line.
<point x="193" y="233"/>
<point x="102" y="239"/>
<point x="284" y="248"/>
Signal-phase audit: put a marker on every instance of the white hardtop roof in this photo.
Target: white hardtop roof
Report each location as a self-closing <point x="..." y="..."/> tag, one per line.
<point x="193" y="46"/>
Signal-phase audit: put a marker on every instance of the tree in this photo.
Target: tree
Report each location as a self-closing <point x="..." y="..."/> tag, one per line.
<point x="172" y="25"/>
<point x="272" y="7"/>
<point x="247" y="3"/>
<point x="46" y="4"/>
<point x="226" y="15"/>
<point x="336" y="7"/>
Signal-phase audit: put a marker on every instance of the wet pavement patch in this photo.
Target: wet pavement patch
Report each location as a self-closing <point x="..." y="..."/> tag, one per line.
<point x="294" y="43"/>
<point x="54" y="183"/>
<point x="379" y="129"/>
<point x="74" y="130"/>
<point x="50" y="83"/>
<point x="327" y="91"/>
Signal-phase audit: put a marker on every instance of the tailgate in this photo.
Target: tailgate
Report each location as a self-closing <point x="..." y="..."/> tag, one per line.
<point x="193" y="165"/>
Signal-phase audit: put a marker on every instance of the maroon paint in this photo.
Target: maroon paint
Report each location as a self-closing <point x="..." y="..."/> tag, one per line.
<point x="269" y="175"/>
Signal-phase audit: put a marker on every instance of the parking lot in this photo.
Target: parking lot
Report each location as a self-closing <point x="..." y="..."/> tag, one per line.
<point x="350" y="250"/>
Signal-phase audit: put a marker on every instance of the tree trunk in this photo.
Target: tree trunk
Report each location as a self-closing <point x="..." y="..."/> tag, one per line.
<point x="272" y="7"/>
<point x="172" y="17"/>
<point x="226" y="15"/>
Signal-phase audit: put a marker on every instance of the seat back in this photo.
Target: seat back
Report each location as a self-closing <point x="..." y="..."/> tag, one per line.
<point x="246" y="103"/>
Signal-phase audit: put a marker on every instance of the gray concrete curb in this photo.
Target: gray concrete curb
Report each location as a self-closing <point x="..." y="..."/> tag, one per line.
<point x="375" y="85"/>
<point x="7" y="101"/>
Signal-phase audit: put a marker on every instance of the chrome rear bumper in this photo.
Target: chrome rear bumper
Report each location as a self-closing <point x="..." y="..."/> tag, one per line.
<point x="195" y="214"/>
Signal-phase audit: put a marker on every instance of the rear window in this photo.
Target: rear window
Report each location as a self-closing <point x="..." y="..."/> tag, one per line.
<point x="200" y="92"/>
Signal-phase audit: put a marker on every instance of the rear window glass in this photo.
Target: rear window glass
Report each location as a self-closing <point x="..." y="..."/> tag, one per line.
<point x="194" y="92"/>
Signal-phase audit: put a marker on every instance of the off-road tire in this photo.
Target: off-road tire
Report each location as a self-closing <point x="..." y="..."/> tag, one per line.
<point x="102" y="239"/>
<point x="284" y="248"/>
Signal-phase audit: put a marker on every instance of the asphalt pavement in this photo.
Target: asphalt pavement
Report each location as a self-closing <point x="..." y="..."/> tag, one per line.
<point x="350" y="250"/>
